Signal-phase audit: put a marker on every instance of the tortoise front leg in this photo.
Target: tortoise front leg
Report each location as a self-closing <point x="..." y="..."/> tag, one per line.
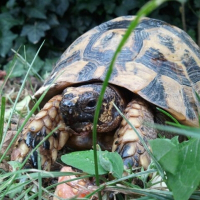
<point x="39" y="127"/>
<point x="127" y="143"/>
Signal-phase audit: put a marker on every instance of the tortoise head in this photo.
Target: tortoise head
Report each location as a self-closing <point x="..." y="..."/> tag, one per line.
<point x="79" y="104"/>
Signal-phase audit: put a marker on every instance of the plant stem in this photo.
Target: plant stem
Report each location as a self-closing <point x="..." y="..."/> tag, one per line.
<point x="183" y="16"/>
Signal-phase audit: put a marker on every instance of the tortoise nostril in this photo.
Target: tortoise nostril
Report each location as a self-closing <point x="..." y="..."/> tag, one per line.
<point x="67" y="103"/>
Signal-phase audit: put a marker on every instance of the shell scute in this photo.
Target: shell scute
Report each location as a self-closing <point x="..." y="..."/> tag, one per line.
<point x="159" y="62"/>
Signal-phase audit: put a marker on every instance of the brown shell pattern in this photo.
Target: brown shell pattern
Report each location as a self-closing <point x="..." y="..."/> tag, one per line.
<point x="159" y="62"/>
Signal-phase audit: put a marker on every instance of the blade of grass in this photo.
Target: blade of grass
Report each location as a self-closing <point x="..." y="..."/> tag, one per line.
<point x="146" y="9"/>
<point x="27" y="157"/>
<point x="37" y="185"/>
<point x="16" y="187"/>
<point x="18" y="95"/>
<point x="180" y="129"/>
<point x="167" y="114"/>
<point x="7" y="77"/>
<point x="39" y="176"/>
<point x="198" y="98"/>
<point x="27" y="64"/>
<point x="25" y="160"/>
<point x="158" y="195"/>
<point x="34" y="174"/>
<point x="10" y="180"/>
<point x="3" y="108"/>
<point x="24" y="193"/>
<point x="70" y="180"/>
<point x="23" y="124"/>
<point x="109" y="183"/>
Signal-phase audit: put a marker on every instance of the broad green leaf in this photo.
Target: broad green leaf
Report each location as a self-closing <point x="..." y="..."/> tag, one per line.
<point x="53" y="20"/>
<point x="91" y="7"/>
<point x="175" y="140"/>
<point x="10" y="3"/>
<point x="42" y="4"/>
<point x="7" y="21"/>
<point x="61" y="6"/>
<point x="35" y="32"/>
<point x="117" y="164"/>
<point x="83" y="160"/>
<point x="111" y="162"/>
<point x="35" y="13"/>
<point x="187" y="178"/>
<point x="167" y="154"/>
<point x="60" y="33"/>
<point x="6" y="41"/>
<point x="108" y="162"/>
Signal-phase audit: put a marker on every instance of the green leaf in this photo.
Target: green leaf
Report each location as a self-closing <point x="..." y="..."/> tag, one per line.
<point x="109" y="162"/>
<point x="16" y="189"/>
<point x="42" y="4"/>
<point x="35" y="32"/>
<point x="53" y="20"/>
<point x="90" y="6"/>
<point x="60" y="33"/>
<point x="187" y="177"/>
<point x="35" y="13"/>
<point x="82" y="160"/>
<point x="117" y="164"/>
<point x="6" y="41"/>
<point x="7" y="21"/>
<point x="167" y="154"/>
<point x="175" y="140"/>
<point x="10" y="3"/>
<point x="61" y="6"/>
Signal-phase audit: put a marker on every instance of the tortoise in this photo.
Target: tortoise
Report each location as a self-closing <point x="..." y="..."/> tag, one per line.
<point x="157" y="67"/>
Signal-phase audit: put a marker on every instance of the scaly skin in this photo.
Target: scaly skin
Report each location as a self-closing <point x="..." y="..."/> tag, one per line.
<point x="126" y="142"/>
<point x="36" y="129"/>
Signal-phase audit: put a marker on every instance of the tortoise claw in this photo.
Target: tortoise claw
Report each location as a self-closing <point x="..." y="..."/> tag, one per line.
<point x="34" y="159"/>
<point x="134" y="157"/>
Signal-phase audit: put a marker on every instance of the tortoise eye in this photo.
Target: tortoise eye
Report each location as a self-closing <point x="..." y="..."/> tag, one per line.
<point x="91" y="103"/>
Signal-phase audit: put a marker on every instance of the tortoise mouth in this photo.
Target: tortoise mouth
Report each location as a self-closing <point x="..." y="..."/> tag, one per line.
<point x="82" y="128"/>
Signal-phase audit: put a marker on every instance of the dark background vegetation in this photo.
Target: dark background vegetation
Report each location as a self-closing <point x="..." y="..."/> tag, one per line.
<point x="24" y="24"/>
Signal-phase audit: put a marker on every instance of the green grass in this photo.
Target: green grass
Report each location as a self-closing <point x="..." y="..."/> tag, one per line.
<point x="9" y="180"/>
<point x="145" y="10"/>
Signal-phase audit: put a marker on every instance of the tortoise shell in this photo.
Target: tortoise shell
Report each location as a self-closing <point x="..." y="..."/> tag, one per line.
<point x="159" y="62"/>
